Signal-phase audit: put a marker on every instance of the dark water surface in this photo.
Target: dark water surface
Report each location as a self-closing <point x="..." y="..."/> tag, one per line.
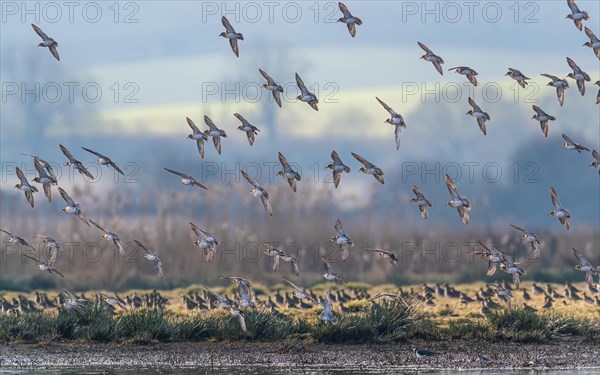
<point x="273" y="371"/>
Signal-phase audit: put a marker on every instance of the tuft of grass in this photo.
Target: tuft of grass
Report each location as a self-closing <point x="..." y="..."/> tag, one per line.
<point x="525" y="325"/>
<point x="144" y="326"/>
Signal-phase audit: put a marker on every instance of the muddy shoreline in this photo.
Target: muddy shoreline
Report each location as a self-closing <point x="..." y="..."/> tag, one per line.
<point x="296" y="355"/>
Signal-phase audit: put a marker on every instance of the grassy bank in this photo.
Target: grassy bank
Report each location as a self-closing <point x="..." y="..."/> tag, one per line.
<point x="388" y="322"/>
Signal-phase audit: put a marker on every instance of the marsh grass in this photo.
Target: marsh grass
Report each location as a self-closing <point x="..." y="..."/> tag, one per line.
<point x="385" y="322"/>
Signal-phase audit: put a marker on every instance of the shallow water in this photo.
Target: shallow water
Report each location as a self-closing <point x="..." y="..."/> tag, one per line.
<point x="265" y="371"/>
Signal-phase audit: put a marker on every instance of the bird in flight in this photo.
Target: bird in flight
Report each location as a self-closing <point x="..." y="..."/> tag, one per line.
<point x="47" y="42"/>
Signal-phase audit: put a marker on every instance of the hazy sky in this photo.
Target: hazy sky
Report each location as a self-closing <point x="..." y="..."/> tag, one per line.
<point x="156" y="62"/>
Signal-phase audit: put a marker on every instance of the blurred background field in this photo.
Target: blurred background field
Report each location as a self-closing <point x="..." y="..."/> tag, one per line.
<point x="167" y="66"/>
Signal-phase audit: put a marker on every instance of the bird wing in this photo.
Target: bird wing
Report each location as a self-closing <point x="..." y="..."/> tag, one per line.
<point x="474" y="105"/>
<point x="554" y="197"/>
<point x="573" y="66"/>
<point x="553" y="78"/>
<point x="574" y="8"/>
<point x="292" y="284"/>
<point x="418" y="192"/>
<point x="327" y="265"/>
<point x="424" y="47"/>
<point x="227" y="25"/>
<point x="21" y="176"/>
<point x="364" y="161"/>
<point x="159" y="268"/>
<point x="95" y="153"/>
<point x="566" y="138"/>
<point x="192" y="125"/>
<point x="538" y="110"/>
<point x="33" y="258"/>
<point x="451" y="187"/>
<point x="66" y="197"/>
<point x="40" y="32"/>
<point x="336" y="157"/>
<point x="250" y="180"/>
<point x="338" y="227"/>
<point x="283" y="161"/>
<point x="301" y="85"/>
<point x="591" y="35"/>
<point x="210" y="123"/>
<point x="387" y="107"/>
<point x="54" y="53"/>
<point x="67" y="153"/>
<point x="182" y="175"/>
<point x="197" y="230"/>
<point x="267" y="204"/>
<point x="97" y="226"/>
<point x="519" y="228"/>
<point x="116" y="167"/>
<point x="345" y="10"/>
<point x="267" y="77"/>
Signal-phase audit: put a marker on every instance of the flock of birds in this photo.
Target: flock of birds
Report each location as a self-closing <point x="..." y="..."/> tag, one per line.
<point x="245" y="297"/>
